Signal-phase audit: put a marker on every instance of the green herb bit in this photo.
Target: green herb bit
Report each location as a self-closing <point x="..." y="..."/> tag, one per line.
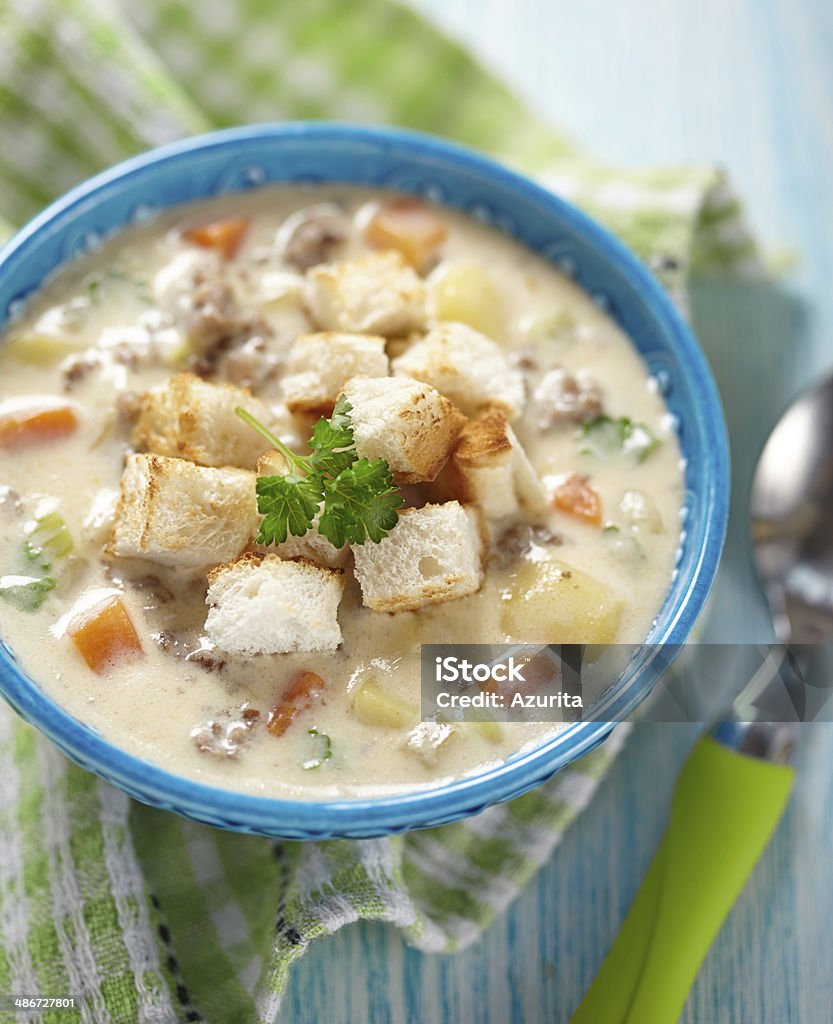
<point x="144" y="292"/>
<point x="360" y="500"/>
<point x="604" y="436"/>
<point x="25" y="592"/>
<point x="325" y="750"/>
<point x="140" y="285"/>
<point x="94" y="284"/>
<point x="36" y="554"/>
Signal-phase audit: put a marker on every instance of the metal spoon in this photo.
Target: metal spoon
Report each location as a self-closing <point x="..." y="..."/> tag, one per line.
<point x="791" y="518"/>
<point x="791" y="525"/>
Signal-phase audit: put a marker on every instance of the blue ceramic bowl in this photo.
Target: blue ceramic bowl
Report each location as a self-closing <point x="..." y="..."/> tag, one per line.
<point x="240" y="159"/>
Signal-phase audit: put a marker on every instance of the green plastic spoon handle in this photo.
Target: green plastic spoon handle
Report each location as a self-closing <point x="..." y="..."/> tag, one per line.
<point x="725" y="808"/>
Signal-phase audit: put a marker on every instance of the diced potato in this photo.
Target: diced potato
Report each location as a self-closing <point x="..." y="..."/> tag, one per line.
<point x="466" y="293"/>
<point x="224" y="236"/>
<point x="373" y="705"/>
<point x="105" y="634"/>
<point x="40" y="348"/>
<point x="578" y="499"/>
<point x="414" y="228"/>
<point x="36" y="421"/>
<point x="550" y="602"/>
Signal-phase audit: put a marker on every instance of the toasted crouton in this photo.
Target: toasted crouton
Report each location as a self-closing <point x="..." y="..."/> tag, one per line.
<point x="270" y="606"/>
<point x="489" y="468"/>
<point x="273" y="463"/>
<point x="314" y="547"/>
<point x="433" y="554"/>
<point x="319" y="365"/>
<point x="188" y="418"/>
<point x="184" y="516"/>
<point x="408" y="424"/>
<point x="376" y="293"/>
<point x="467" y="367"/>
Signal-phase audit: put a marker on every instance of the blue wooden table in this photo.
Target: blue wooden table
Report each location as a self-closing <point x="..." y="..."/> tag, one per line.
<point x="749" y="84"/>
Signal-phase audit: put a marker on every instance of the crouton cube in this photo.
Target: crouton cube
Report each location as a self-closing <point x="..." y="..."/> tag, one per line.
<point x="184" y="516"/>
<point x="489" y="468"/>
<point x="405" y="422"/>
<point x="313" y="546"/>
<point x="271" y="606"/>
<point x="273" y="463"/>
<point x="319" y="365"/>
<point x="433" y="554"/>
<point x="467" y="367"/>
<point x="188" y="418"/>
<point x="376" y="293"/>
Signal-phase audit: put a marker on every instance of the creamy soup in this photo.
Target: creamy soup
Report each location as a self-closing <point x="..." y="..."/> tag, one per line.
<point x="538" y="470"/>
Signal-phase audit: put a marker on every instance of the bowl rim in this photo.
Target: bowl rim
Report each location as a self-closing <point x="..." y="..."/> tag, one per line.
<point x="432" y="805"/>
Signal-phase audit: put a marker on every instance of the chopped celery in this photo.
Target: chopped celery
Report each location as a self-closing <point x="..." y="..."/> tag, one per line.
<point x="374" y="706"/>
<point x="624" y="546"/>
<point x="488" y="729"/>
<point x="48" y="538"/>
<point x="26" y="592"/>
<point x="324" y="750"/>
<point x="179" y="355"/>
<point x="51" y="533"/>
<point x="604" y="436"/>
<point x="559" y="325"/>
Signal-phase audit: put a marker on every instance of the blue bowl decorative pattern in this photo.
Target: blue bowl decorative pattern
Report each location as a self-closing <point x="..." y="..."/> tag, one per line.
<point x="244" y="158"/>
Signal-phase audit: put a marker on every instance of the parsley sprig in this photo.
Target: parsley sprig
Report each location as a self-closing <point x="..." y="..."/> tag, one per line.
<point x="360" y="500"/>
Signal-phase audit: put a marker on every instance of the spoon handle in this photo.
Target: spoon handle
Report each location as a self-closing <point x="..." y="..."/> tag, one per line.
<point x="725" y="808"/>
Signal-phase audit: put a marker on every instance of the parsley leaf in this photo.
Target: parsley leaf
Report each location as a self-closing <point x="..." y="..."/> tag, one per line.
<point x="332" y="441"/>
<point x="287" y="503"/>
<point x="360" y="500"/>
<point x="336" y="432"/>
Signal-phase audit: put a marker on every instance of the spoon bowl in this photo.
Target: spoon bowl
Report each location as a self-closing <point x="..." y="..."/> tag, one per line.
<point x="791" y="519"/>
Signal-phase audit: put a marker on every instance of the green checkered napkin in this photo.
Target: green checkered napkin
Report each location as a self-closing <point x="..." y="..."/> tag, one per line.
<point x="144" y="915"/>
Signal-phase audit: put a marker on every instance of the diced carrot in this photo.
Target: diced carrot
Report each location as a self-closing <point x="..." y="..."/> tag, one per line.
<point x="578" y="499"/>
<point x="105" y="634"/>
<point x="410" y="226"/>
<point x="36" y="423"/>
<point x="223" y="235"/>
<point x="304" y="690"/>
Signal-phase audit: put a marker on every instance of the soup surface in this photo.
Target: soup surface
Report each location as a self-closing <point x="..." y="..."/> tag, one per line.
<point x="539" y="470"/>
